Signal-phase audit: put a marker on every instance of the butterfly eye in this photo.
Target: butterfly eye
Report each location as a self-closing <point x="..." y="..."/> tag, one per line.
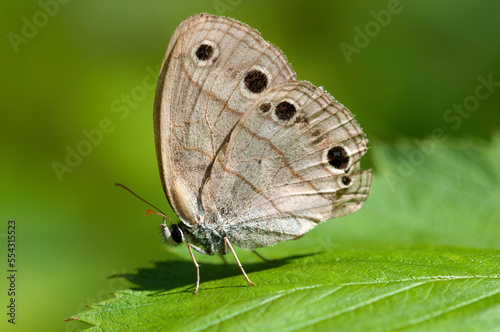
<point x="177" y="235"/>
<point x="172" y="235"/>
<point x="338" y="157"/>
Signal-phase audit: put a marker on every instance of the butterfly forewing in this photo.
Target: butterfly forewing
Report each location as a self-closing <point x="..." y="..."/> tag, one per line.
<point x="214" y="69"/>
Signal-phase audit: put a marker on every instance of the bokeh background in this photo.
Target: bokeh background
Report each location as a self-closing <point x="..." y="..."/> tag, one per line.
<point x="71" y="67"/>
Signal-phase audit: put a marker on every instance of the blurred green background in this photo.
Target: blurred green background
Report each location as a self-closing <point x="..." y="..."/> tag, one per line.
<point x="69" y="69"/>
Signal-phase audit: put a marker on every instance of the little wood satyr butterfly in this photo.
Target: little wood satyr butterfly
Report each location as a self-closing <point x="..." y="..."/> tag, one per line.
<point x="248" y="155"/>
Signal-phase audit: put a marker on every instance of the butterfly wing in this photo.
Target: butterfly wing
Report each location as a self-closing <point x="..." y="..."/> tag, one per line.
<point x="292" y="161"/>
<point x="214" y="69"/>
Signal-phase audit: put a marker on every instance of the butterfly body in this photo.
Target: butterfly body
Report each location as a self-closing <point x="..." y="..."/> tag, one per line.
<point x="248" y="154"/>
<point x="209" y="237"/>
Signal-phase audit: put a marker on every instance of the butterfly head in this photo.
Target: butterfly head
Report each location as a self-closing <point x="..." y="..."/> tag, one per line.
<point x="172" y="235"/>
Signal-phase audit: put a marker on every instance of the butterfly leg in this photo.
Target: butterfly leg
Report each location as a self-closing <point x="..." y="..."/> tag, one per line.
<point x="226" y="241"/>
<point x="189" y="245"/>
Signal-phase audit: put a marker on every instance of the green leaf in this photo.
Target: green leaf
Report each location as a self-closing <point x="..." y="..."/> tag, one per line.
<point x="404" y="262"/>
<point x="342" y="290"/>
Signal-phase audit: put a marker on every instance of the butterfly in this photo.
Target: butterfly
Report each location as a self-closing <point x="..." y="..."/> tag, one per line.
<point x="248" y="155"/>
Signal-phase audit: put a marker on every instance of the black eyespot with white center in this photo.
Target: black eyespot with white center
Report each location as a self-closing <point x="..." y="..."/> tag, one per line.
<point x="256" y="81"/>
<point x="338" y="157"/>
<point x="285" y="110"/>
<point x="204" y="52"/>
<point x="346" y="180"/>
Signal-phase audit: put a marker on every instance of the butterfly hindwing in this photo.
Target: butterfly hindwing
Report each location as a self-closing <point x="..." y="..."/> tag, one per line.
<point x="291" y="162"/>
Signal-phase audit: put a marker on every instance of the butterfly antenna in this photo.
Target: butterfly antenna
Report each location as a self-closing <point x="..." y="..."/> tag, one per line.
<point x="142" y="199"/>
